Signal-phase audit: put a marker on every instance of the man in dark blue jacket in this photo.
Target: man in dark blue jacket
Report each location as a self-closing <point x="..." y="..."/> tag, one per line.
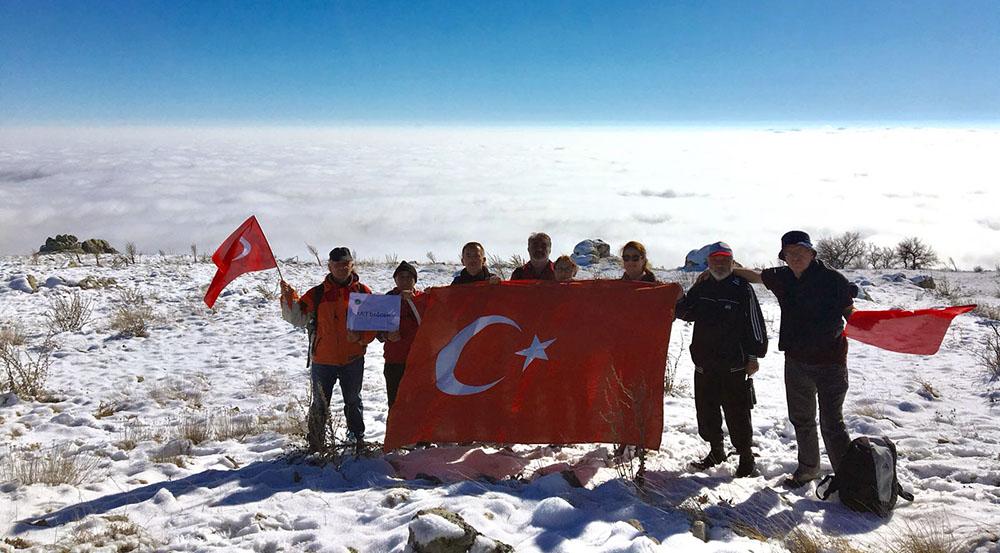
<point x="815" y="301"/>
<point x="729" y="336"/>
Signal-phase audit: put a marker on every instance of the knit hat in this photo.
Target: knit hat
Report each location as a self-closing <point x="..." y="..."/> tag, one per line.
<point x="405" y="267"/>
<point x="720" y="248"/>
<point x="797" y="238"/>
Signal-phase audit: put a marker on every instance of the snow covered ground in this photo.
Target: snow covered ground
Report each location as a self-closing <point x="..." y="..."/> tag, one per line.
<point x="126" y="409"/>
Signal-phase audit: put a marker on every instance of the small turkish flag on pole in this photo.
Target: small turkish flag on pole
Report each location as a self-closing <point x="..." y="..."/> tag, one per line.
<point x="537" y="362"/>
<point x="919" y="332"/>
<point x="246" y="250"/>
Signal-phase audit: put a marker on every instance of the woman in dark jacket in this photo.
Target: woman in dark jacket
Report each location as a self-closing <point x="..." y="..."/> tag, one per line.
<point x="635" y="263"/>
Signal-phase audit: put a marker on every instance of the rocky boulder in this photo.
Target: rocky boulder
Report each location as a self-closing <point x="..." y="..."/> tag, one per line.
<point x="62" y="243"/>
<point x="591" y="251"/>
<point x="443" y="531"/>
<point x="924" y="281"/>
<point x="98" y="246"/>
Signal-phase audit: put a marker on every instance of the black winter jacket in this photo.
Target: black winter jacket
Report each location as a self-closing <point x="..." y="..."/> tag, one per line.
<point x="812" y="312"/>
<point x="728" y="324"/>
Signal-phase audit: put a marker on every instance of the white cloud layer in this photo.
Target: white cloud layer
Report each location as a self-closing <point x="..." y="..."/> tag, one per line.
<point x="410" y="191"/>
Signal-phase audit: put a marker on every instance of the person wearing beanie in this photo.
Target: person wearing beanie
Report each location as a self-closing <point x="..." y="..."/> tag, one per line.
<point x="815" y="301"/>
<point x="397" y="344"/>
<point x="335" y="353"/>
<point x="729" y="336"/>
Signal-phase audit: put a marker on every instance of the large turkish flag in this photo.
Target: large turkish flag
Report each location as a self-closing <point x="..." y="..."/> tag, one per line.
<point x="245" y="250"/>
<point x="919" y="332"/>
<point x="537" y="362"/>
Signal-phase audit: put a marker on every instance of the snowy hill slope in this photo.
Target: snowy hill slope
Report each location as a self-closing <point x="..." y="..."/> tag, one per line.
<point x="181" y="439"/>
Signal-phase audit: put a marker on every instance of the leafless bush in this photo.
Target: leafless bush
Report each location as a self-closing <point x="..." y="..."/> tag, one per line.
<point x="671" y="387"/>
<point x="68" y="312"/>
<point x="135" y="432"/>
<point x="131" y="252"/>
<point x="927" y="390"/>
<point x="132" y="315"/>
<point x="266" y="292"/>
<point x="925" y="538"/>
<point x="194" y="252"/>
<point x="24" y="374"/>
<point x="106" y="409"/>
<point x="12" y="334"/>
<point x="498" y="265"/>
<point x="989" y="354"/>
<point x="431" y="257"/>
<point x="109" y="532"/>
<point x="879" y="257"/>
<point x="56" y="466"/>
<point x="914" y="254"/>
<point x="987" y="311"/>
<point x="839" y="252"/>
<point x="947" y="290"/>
<point x="517" y="260"/>
<point x="194" y="429"/>
<point x="312" y="249"/>
<point x="391" y="259"/>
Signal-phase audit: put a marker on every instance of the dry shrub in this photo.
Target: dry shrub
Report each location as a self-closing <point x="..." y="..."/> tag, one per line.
<point x="947" y="290"/>
<point x="986" y="311"/>
<point x="135" y="432"/>
<point x="68" y="312"/>
<point x="12" y="334"/>
<point x="56" y="466"/>
<point x="498" y="265"/>
<point x="989" y="354"/>
<point x="266" y="292"/>
<point x="671" y="386"/>
<point x="22" y="373"/>
<point x="928" y="537"/>
<point x="927" y="390"/>
<point x="132" y="314"/>
<point x="194" y="429"/>
<point x="105" y="410"/>
<point x="115" y="533"/>
<point x="172" y="452"/>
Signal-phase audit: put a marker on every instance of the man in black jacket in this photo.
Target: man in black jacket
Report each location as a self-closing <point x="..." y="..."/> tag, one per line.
<point x="729" y="336"/>
<point x="815" y="300"/>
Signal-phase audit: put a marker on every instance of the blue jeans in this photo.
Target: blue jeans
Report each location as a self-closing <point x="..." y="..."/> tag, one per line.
<point x="323" y="378"/>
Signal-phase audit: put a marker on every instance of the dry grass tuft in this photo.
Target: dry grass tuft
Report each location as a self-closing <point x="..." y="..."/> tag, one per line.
<point x="116" y="533"/>
<point x="12" y="334"/>
<point x="56" y="466"/>
<point x="926" y="538"/>
<point x="105" y="410"/>
<point x="22" y="373"/>
<point x="927" y="390"/>
<point x="132" y="315"/>
<point x="987" y="311"/>
<point x="69" y="312"/>
<point x="989" y="354"/>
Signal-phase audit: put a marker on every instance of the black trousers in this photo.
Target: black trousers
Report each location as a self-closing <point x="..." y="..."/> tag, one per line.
<point x="714" y="390"/>
<point x="393" y="374"/>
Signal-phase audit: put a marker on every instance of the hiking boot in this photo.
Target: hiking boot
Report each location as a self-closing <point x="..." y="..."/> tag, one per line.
<point x="800" y="478"/>
<point x="714" y="457"/>
<point x="747" y="465"/>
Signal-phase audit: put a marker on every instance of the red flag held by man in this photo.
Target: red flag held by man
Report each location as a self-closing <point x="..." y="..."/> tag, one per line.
<point x="537" y="362"/>
<point x="246" y="250"/>
<point x="920" y="332"/>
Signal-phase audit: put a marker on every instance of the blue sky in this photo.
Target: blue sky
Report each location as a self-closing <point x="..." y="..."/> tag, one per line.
<point x="412" y="62"/>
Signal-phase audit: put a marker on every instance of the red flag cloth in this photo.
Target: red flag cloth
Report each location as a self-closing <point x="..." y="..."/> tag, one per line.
<point x="919" y="332"/>
<point x="537" y="362"/>
<point x="246" y="250"/>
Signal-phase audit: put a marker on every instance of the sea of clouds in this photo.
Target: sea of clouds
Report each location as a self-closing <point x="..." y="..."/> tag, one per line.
<point x="408" y="191"/>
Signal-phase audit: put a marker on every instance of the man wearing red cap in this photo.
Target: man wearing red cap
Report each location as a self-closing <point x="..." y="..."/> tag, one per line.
<point x="729" y="336"/>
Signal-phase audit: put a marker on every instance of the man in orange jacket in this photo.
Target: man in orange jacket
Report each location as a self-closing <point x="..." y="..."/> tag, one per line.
<point x="335" y="353"/>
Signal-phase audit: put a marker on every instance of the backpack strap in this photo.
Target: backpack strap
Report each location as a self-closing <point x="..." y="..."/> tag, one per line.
<point x="903" y="493"/>
<point x="834" y="486"/>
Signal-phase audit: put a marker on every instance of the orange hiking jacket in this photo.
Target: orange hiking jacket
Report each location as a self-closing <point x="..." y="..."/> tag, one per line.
<point x="330" y="346"/>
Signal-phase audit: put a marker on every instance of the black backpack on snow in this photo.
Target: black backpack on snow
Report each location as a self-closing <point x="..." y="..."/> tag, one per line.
<point x="867" y="477"/>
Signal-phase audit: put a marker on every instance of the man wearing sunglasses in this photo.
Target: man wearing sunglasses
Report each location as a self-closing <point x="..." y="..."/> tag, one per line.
<point x="729" y="336"/>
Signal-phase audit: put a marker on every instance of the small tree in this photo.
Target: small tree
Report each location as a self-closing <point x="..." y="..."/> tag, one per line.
<point x="881" y="257"/>
<point x="914" y="254"/>
<point x="843" y="251"/>
<point x="132" y="252"/>
<point x="312" y="249"/>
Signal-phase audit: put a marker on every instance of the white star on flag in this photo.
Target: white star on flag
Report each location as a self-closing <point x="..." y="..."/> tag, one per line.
<point x="535" y="351"/>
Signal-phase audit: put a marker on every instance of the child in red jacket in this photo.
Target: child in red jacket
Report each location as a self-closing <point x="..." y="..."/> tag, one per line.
<point x="397" y="344"/>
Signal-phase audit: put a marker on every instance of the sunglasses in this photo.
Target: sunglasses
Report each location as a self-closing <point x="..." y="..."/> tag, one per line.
<point x="635" y="257"/>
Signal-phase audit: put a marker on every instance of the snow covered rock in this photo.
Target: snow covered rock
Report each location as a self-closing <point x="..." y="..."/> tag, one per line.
<point x="443" y="531"/>
<point x="696" y="260"/>
<point x="924" y="281"/>
<point x="54" y="281"/>
<point x="21" y="284"/>
<point x="591" y="251"/>
<point x="895" y="277"/>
